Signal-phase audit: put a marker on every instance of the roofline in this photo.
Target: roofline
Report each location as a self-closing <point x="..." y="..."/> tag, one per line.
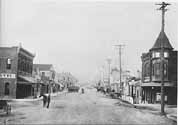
<point x="43" y="64"/>
<point x="33" y="55"/>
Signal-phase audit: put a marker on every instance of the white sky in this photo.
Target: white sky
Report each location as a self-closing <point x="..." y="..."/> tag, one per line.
<point x="78" y="36"/>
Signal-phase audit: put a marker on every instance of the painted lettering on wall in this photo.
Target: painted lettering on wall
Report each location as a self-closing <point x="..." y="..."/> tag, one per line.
<point x="7" y="75"/>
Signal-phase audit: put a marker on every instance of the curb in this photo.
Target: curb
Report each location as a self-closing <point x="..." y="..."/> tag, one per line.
<point x="172" y="117"/>
<point x="124" y="102"/>
<point x="25" y="100"/>
<point x="36" y="99"/>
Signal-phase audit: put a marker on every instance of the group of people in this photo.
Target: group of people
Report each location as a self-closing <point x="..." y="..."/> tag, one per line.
<point x="46" y="100"/>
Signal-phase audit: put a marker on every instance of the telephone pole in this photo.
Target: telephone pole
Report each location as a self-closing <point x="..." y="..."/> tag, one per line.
<point x="163" y="9"/>
<point x="109" y="71"/>
<point x="119" y="46"/>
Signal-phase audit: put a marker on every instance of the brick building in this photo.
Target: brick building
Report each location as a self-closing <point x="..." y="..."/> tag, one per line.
<point x="151" y="72"/>
<point x="16" y="79"/>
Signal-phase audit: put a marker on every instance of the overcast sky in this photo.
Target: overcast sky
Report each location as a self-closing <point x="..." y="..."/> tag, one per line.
<point x="78" y="36"/>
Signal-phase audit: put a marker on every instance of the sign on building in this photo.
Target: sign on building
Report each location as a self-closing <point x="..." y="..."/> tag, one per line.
<point x="7" y="75"/>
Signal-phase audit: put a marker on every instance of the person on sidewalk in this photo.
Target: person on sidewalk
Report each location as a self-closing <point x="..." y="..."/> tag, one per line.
<point x="48" y="99"/>
<point x="143" y="100"/>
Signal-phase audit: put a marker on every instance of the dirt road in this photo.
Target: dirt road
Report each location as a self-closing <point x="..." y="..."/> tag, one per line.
<point x="76" y="108"/>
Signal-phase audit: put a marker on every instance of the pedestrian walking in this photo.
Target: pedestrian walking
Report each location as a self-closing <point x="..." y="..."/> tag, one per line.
<point x="49" y="100"/>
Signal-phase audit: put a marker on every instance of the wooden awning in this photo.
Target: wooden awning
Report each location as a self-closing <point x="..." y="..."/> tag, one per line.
<point x="26" y="79"/>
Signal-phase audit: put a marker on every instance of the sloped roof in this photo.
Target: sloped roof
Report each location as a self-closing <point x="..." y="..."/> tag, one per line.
<point x="43" y="67"/>
<point x="162" y="40"/>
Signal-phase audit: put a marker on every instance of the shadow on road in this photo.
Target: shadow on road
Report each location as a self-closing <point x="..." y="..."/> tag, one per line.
<point x="59" y="107"/>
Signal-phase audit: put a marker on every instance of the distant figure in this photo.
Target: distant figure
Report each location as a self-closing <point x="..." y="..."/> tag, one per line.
<point x="143" y="99"/>
<point x="107" y="90"/>
<point x="48" y="99"/>
<point x="44" y="99"/>
<point x="134" y="99"/>
<point x="82" y="90"/>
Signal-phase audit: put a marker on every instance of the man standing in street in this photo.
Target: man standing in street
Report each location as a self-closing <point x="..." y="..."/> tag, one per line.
<point x="48" y="100"/>
<point x="44" y="99"/>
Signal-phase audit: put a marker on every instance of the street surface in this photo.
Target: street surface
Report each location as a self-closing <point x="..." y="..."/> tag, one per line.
<point x="76" y="108"/>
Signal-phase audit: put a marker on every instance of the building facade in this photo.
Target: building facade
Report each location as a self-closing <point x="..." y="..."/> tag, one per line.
<point x="151" y="72"/>
<point x="134" y="89"/>
<point x="46" y="76"/>
<point x="16" y="79"/>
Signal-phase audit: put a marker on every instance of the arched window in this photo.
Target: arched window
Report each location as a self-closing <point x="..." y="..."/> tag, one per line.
<point x="22" y="65"/>
<point x="8" y="64"/>
<point x="147" y="69"/>
<point x="153" y="70"/>
<point x="157" y="69"/>
<point x="6" y="88"/>
<point x="28" y="68"/>
<point x="25" y="66"/>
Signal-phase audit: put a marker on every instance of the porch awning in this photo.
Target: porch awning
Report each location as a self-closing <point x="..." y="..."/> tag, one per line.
<point x="27" y="79"/>
<point x="168" y="84"/>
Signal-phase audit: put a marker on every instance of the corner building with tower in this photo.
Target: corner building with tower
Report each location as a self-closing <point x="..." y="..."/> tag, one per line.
<point x="151" y="72"/>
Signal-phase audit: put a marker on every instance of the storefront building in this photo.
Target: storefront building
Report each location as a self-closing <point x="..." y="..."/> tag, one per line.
<point x="47" y="75"/>
<point x="151" y="72"/>
<point x="16" y="79"/>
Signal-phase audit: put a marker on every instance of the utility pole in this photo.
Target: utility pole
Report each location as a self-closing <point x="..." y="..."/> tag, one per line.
<point x="163" y="9"/>
<point x="109" y="63"/>
<point x="103" y="75"/>
<point x="1" y="22"/>
<point x="119" y="46"/>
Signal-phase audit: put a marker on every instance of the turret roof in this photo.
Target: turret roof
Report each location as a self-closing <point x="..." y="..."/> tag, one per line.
<point x="162" y="40"/>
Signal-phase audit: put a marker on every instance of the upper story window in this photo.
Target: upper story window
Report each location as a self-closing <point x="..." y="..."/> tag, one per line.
<point x="147" y="69"/>
<point x="158" y="54"/>
<point x="166" y="54"/>
<point x="165" y="70"/>
<point x="155" y="54"/>
<point x="157" y="70"/>
<point x="8" y="64"/>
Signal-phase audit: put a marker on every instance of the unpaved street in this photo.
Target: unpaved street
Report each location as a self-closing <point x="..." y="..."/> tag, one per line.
<point x="77" y="108"/>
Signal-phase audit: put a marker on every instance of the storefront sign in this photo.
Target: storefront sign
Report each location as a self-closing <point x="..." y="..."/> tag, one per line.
<point x="7" y="75"/>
